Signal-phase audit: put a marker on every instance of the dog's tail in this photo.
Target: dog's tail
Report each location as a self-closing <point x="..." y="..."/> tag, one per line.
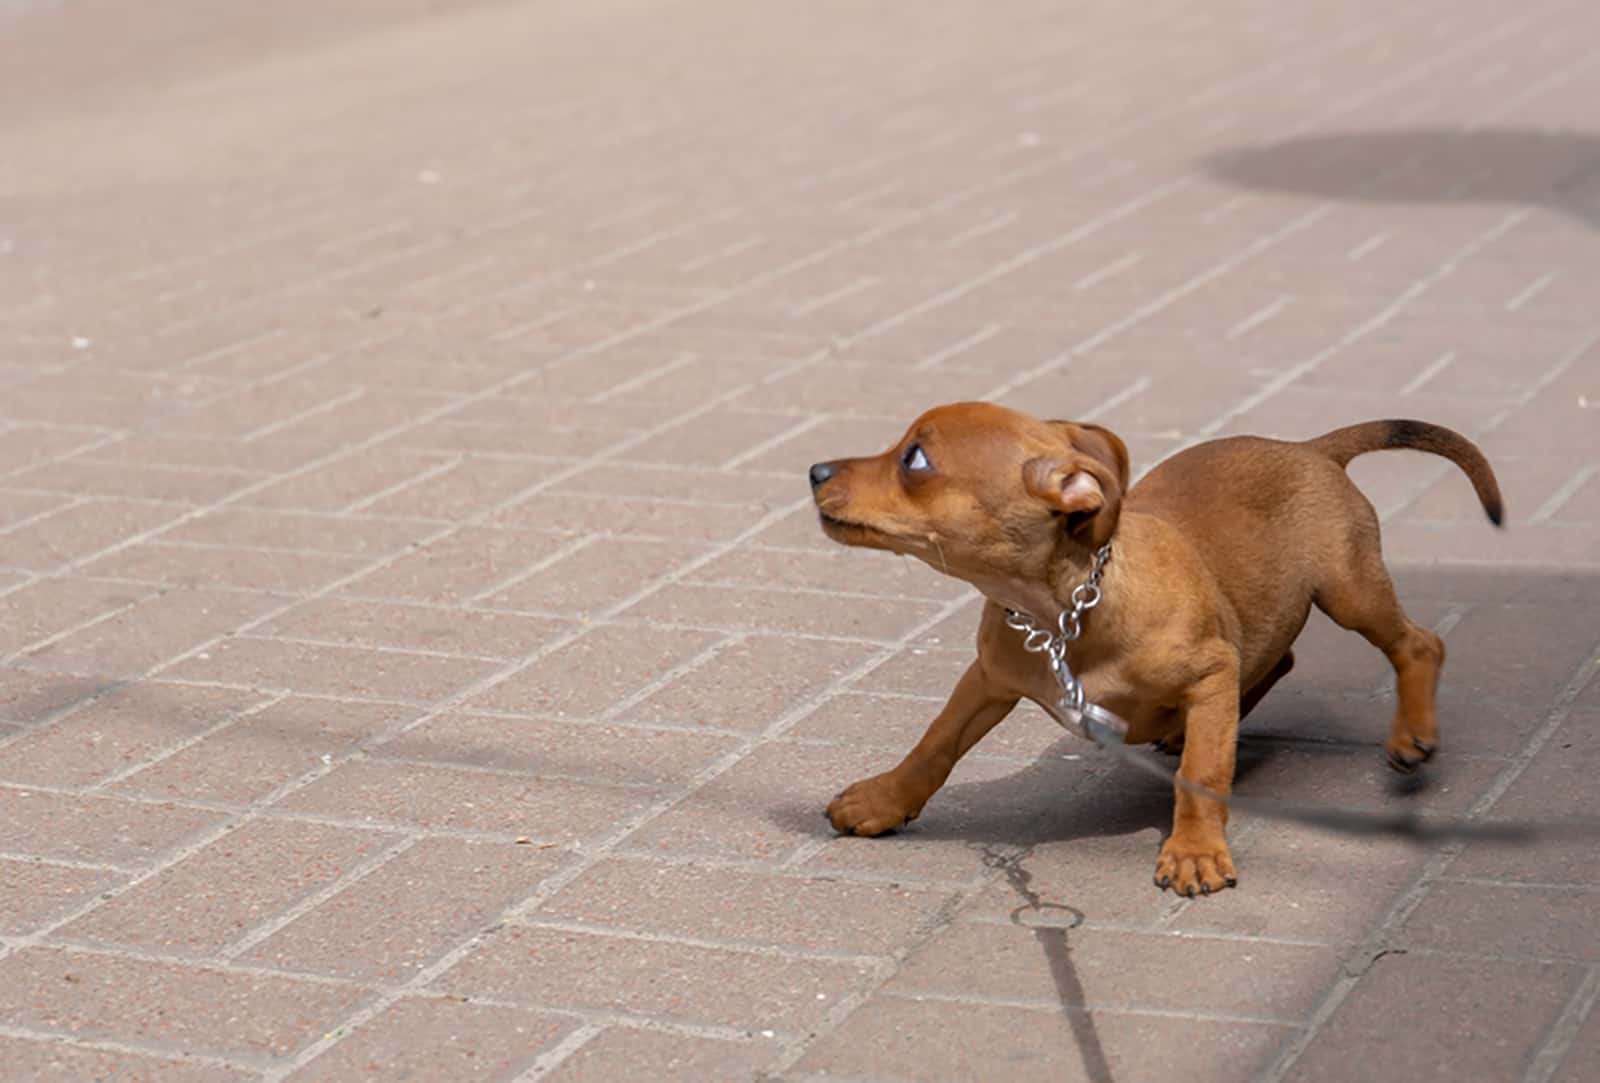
<point x="1342" y="445"/>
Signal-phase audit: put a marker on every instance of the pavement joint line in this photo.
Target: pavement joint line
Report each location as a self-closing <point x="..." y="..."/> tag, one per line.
<point x="1434" y="368"/>
<point x="1532" y="290"/>
<point x="427" y="474"/>
<point x="780" y="870"/>
<point x="982" y="229"/>
<point x="650" y="688"/>
<point x="578" y="543"/>
<point x="228" y="721"/>
<point x="958" y="347"/>
<point x="1048" y="1005"/>
<point x="326" y="406"/>
<point x="111" y="868"/>
<point x="739" y="947"/>
<point x="799" y="428"/>
<point x="679" y="360"/>
<point x="1108" y="271"/>
<point x="97" y="949"/>
<point x="1568" y="489"/>
<point x="175" y="1054"/>
<point x="150" y="594"/>
<point x="1547" y="1060"/>
<point x="550" y="1058"/>
<point x="259" y="933"/>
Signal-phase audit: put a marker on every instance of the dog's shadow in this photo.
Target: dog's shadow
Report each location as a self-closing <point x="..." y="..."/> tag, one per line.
<point x="1558" y="170"/>
<point x="1049" y="800"/>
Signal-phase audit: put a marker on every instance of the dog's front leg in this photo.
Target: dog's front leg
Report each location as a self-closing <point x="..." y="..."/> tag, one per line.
<point x="887" y="801"/>
<point x="1195" y="856"/>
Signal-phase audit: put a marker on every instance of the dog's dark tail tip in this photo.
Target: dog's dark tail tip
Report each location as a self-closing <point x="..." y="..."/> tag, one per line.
<point x="1342" y="445"/>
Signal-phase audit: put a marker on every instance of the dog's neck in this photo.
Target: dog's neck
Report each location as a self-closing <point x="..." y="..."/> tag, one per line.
<point x="1045" y="595"/>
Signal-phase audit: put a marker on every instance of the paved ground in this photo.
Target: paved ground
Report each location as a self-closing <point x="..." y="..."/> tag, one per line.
<point x="420" y="659"/>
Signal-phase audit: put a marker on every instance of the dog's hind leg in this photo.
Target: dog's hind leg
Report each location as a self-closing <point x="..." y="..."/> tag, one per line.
<point x="1361" y="597"/>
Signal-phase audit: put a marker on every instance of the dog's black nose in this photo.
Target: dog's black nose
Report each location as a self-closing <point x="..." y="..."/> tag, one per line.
<point x="820" y="472"/>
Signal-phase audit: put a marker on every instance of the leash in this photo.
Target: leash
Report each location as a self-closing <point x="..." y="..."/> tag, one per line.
<point x="1103" y="728"/>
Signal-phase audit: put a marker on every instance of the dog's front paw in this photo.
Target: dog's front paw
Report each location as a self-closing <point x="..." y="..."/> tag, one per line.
<point x="1198" y="865"/>
<point x="872" y="806"/>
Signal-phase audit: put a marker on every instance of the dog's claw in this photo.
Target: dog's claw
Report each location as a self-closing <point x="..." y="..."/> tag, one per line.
<point x="1406" y="764"/>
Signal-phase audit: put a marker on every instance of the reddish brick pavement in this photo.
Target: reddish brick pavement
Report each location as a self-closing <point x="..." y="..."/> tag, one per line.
<point x="419" y="655"/>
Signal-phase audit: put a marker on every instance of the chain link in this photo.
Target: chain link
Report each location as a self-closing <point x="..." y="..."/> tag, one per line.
<point x="1069" y="626"/>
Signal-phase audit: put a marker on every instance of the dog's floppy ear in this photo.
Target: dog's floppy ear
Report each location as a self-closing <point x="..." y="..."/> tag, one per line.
<point x="1102" y="443"/>
<point x="1085" y="483"/>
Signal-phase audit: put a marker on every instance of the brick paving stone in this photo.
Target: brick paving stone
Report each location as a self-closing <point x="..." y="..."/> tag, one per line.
<point x="415" y="627"/>
<point x="594" y="577"/>
<point x="752" y="908"/>
<point x="622" y="1053"/>
<point x="260" y="752"/>
<point x="119" y="731"/>
<point x="190" y="566"/>
<point x="259" y="528"/>
<point x="753" y="609"/>
<point x="750" y="684"/>
<point x="395" y="920"/>
<point x="141" y="637"/>
<point x="594" y="672"/>
<point x="440" y="1038"/>
<point x="629" y="755"/>
<point x="908" y="1039"/>
<point x="94" y="829"/>
<point x="29" y="697"/>
<point x="46" y="1058"/>
<point x="202" y="1009"/>
<point x="430" y="796"/>
<point x="894" y="723"/>
<point x="1491" y="919"/>
<point x="218" y="894"/>
<point x="626" y="519"/>
<point x="457" y="566"/>
<point x="331" y="669"/>
<point x="1521" y="998"/>
<point x="49" y="607"/>
<point x="685" y="983"/>
<point x="1260" y="981"/>
<point x="38" y="893"/>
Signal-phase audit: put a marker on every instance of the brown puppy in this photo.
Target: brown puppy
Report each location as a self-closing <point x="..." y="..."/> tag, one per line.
<point x="1218" y="555"/>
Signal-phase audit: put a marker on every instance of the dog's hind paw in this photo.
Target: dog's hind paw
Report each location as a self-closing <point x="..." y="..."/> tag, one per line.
<point x="1408" y="754"/>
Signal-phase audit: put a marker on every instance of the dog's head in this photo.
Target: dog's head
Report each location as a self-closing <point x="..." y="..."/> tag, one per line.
<point x="979" y="491"/>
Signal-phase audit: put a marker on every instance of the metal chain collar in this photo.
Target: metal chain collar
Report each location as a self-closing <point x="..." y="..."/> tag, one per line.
<point x="1069" y="626"/>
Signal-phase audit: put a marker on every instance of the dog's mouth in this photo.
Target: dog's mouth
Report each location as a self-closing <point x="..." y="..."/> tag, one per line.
<point x="850" y="532"/>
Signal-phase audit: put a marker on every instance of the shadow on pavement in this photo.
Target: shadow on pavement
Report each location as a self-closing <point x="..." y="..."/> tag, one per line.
<point x="1521" y="166"/>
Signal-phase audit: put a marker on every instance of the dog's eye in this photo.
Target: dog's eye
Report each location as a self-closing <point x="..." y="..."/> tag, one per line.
<point x="914" y="459"/>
